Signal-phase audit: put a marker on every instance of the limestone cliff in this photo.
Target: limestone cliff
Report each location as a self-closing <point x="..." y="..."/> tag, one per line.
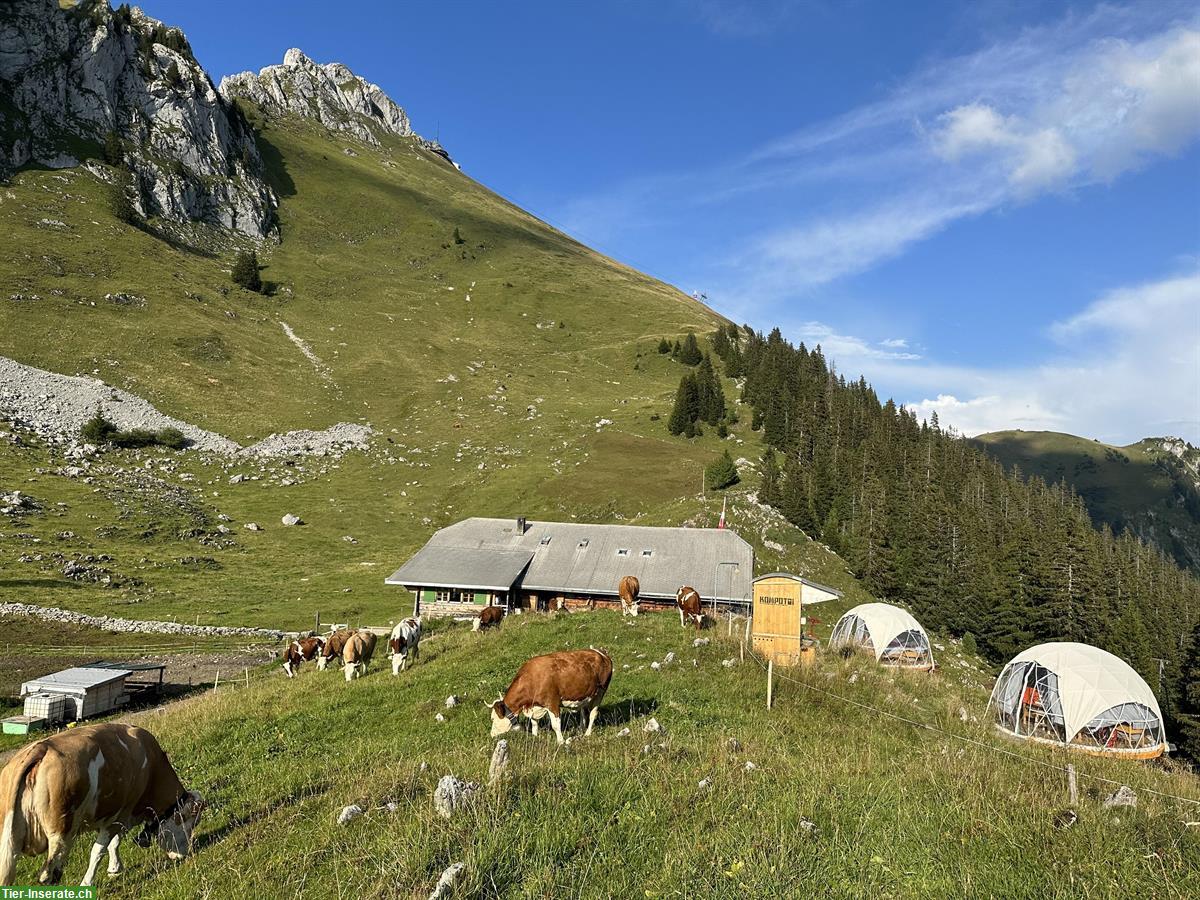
<point x="77" y="80"/>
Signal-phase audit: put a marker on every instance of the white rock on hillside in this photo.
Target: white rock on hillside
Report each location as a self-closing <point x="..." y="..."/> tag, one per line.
<point x="56" y="406"/>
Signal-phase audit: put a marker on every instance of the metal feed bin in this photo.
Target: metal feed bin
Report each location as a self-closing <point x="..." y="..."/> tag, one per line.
<point x="778" y="631"/>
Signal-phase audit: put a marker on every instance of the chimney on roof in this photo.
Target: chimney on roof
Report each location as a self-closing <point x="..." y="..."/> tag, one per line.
<point x="520" y="524"/>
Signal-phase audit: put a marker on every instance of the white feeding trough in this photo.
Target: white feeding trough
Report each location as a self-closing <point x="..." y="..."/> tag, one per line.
<point x="888" y="632"/>
<point x="1080" y="697"/>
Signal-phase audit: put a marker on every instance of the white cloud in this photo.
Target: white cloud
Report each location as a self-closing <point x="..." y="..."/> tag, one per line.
<point x="846" y="349"/>
<point x="790" y="260"/>
<point x="1128" y="367"/>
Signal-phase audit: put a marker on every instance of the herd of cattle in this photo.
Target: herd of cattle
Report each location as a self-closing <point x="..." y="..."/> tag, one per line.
<point x="114" y="778"/>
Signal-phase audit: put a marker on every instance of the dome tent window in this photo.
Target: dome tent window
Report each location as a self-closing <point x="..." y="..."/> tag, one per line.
<point x="887" y="632"/>
<point x="1080" y="697"/>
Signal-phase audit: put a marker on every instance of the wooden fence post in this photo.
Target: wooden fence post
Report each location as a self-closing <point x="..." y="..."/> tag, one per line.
<point x="770" y="681"/>
<point x="1072" y="786"/>
<point x="217" y="680"/>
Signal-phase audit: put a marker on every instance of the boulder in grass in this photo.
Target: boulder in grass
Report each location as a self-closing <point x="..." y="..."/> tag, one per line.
<point x="446" y="883"/>
<point x="452" y="794"/>
<point x="349" y="814"/>
<point x="1122" y="796"/>
<point x="290" y="519"/>
<point x="499" y="761"/>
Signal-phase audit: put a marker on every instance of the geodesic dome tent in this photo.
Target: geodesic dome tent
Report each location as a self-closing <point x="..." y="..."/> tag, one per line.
<point x="889" y="632"/>
<point x="1081" y="697"/>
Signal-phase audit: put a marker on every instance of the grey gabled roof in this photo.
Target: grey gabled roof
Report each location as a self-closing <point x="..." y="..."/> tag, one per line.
<point x="580" y="558"/>
<point x="802" y="580"/>
<point x="74" y="680"/>
<point x="445" y="566"/>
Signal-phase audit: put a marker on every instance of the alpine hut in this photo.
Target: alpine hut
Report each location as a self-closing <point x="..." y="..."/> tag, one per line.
<point x="522" y="564"/>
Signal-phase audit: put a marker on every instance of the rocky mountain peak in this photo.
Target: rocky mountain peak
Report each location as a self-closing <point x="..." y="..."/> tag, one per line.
<point x="330" y="93"/>
<point x="73" y="77"/>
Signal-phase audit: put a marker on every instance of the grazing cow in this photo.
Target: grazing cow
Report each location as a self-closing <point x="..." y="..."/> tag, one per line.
<point x="628" y="591"/>
<point x="405" y="640"/>
<point x="299" y="651"/>
<point x="489" y="617"/>
<point x="356" y="655"/>
<point x="572" y="679"/>
<point x="335" y="642"/>
<point x="108" y="777"/>
<point x="690" y="606"/>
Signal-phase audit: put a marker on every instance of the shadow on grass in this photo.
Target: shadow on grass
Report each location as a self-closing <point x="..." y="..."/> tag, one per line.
<point x="209" y="838"/>
<point x="37" y="583"/>
<point x="626" y="711"/>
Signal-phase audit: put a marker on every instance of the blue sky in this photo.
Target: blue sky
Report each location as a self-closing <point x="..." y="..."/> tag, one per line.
<point x="991" y="210"/>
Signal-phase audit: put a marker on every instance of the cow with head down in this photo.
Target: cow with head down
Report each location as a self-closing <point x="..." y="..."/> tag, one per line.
<point x="691" y="608"/>
<point x="405" y="641"/>
<point x="489" y="617"/>
<point x="108" y="778"/>
<point x="301" y="650"/>
<point x="628" y="591"/>
<point x="356" y="655"/>
<point x="335" y="642"/>
<point x="546" y="685"/>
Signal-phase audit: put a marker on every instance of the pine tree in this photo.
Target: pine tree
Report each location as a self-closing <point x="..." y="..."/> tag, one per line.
<point x="114" y="152"/>
<point x="676" y="350"/>
<point x="690" y="354"/>
<point x="245" y="271"/>
<point x="722" y="474"/>
<point x="119" y="202"/>
<point x="687" y="407"/>
<point x="663" y="346"/>
<point x="769" y="488"/>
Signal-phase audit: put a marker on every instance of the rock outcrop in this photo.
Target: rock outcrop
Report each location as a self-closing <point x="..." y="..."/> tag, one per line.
<point x="90" y="81"/>
<point x="327" y="92"/>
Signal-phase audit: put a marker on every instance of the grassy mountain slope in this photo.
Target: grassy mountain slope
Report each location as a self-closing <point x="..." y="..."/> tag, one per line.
<point x="1128" y="487"/>
<point x="487" y="367"/>
<point x="898" y="811"/>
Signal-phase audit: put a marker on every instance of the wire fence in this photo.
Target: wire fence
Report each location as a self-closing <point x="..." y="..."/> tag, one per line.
<point x="962" y="738"/>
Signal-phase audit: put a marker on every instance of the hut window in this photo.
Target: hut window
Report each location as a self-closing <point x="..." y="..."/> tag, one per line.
<point x="623" y="552"/>
<point x="647" y="553"/>
<point x="545" y="540"/>
<point x="442" y="596"/>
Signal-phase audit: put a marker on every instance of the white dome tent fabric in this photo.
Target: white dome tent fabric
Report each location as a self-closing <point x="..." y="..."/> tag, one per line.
<point x="1080" y="696"/>
<point x="889" y="632"/>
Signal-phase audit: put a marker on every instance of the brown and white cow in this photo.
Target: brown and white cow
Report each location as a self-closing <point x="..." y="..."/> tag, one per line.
<point x="405" y="641"/>
<point x="489" y="617"/>
<point x="110" y="778"/>
<point x="690" y="606"/>
<point x="545" y="685"/>
<point x="335" y="642"/>
<point x="628" y="591"/>
<point x="298" y="651"/>
<point x="356" y="655"/>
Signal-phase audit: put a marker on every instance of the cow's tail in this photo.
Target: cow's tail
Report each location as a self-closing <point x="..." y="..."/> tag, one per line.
<point x="13" y="826"/>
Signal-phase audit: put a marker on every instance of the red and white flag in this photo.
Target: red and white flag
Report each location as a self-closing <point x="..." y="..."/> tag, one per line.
<point x="721" y="523"/>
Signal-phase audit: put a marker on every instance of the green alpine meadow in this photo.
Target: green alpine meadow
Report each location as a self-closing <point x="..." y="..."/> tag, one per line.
<point x="276" y="371"/>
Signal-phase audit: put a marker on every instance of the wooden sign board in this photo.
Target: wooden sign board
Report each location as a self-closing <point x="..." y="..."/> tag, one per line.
<point x="779" y="619"/>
